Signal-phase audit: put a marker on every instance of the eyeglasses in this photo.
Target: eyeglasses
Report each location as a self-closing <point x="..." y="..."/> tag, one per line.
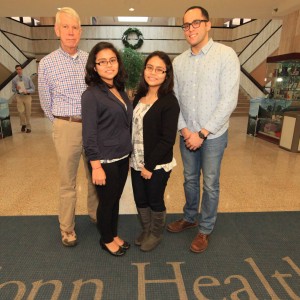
<point x="104" y="62"/>
<point x="195" y="24"/>
<point x="150" y="68"/>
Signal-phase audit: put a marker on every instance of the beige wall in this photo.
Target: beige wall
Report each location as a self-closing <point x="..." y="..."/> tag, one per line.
<point x="4" y="73"/>
<point x="241" y="36"/>
<point x="290" y="37"/>
<point x="39" y="41"/>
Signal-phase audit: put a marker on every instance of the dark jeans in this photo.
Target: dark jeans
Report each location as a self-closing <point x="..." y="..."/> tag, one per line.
<point x="150" y="192"/>
<point x="109" y="198"/>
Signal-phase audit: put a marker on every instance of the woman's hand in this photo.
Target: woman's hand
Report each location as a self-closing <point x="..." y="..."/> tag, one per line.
<point x="146" y="174"/>
<point x="99" y="176"/>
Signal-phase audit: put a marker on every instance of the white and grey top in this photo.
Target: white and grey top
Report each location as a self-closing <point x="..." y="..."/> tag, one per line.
<point x="137" y="156"/>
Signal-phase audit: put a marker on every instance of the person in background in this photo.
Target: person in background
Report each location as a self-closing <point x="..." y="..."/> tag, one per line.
<point x="154" y="129"/>
<point x="106" y="117"/>
<point x="23" y="86"/>
<point x="206" y="85"/>
<point x="61" y="84"/>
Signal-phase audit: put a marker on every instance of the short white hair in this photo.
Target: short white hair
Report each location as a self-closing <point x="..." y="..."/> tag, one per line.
<point x="68" y="11"/>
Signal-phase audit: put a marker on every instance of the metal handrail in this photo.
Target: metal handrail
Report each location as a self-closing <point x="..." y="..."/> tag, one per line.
<point x="254" y="81"/>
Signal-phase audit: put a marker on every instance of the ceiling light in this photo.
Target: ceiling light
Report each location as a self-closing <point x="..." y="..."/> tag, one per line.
<point x="131" y="9"/>
<point x="133" y="19"/>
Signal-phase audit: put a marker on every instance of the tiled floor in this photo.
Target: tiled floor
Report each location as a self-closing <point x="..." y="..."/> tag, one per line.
<point x="256" y="175"/>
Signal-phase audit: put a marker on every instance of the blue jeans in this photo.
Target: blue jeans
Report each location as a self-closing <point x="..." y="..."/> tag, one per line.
<point x="205" y="160"/>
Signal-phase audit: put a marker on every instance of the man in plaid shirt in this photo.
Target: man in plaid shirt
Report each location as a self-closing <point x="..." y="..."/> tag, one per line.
<point x="61" y="83"/>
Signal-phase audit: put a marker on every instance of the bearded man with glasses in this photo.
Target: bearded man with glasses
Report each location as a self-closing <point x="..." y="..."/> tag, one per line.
<point x="206" y="85"/>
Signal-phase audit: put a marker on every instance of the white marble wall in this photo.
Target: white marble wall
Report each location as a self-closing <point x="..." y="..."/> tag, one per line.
<point x="168" y="39"/>
<point x="25" y="44"/>
<point x="248" y="29"/>
<point x="270" y="46"/>
<point x="266" y="50"/>
<point x="15" y="27"/>
<point x="11" y="55"/>
<point x="250" y="87"/>
<point x="20" y="34"/>
<point x="39" y="41"/>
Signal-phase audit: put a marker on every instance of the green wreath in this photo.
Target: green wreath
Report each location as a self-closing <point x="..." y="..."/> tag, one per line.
<point x="139" y="36"/>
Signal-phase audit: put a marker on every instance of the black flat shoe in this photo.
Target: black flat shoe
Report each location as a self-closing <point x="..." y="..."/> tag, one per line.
<point x="119" y="252"/>
<point x="125" y="246"/>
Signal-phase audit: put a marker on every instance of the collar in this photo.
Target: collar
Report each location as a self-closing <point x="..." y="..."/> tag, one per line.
<point x="75" y="56"/>
<point x="204" y="50"/>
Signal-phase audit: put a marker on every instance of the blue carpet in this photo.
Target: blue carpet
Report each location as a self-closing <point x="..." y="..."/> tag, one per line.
<point x="250" y="256"/>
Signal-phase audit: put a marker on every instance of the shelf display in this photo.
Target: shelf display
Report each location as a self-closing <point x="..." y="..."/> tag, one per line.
<point x="283" y="80"/>
<point x="284" y="75"/>
<point x="5" y="126"/>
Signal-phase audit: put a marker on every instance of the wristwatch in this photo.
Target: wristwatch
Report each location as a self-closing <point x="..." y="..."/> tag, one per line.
<point x="202" y="136"/>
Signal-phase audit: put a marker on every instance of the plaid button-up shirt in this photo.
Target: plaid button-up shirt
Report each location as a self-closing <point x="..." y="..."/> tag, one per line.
<point x="61" y="83"/>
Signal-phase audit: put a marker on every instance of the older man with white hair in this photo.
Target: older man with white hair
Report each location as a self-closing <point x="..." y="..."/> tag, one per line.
<point x="61" y="83"/>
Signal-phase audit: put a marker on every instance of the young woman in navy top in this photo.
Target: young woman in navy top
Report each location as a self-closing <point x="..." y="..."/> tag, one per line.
<point x="106" y="120"/>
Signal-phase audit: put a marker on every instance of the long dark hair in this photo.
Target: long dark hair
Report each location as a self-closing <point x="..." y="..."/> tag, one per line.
<point x="168" y="85"/>
<point x="93" y="78"/>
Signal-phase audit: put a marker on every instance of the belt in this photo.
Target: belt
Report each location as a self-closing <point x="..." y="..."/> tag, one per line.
<point x="70" y="118"/>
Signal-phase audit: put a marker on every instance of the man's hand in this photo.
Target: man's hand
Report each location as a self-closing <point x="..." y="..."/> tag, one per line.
<point x="194" y="142"/>
<point x="185" y="133"/>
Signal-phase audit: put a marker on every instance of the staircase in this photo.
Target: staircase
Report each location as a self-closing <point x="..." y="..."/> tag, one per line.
<point x="36" y="110"/>
<point x="243" y="104"/>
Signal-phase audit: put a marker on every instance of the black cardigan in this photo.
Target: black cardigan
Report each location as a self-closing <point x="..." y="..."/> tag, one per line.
<point x="159" y="130"/>
<point x="106" y="124"/>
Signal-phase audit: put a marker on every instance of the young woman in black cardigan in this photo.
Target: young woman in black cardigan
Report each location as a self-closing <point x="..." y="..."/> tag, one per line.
<point x="154" y="128"/>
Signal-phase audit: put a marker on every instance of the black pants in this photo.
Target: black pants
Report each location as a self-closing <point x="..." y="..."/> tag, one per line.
<point x="150" y="192"/>
<point x="109" y="198"/>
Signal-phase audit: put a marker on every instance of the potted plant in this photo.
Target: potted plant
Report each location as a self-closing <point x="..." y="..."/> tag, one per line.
<point x="133" y="63"/>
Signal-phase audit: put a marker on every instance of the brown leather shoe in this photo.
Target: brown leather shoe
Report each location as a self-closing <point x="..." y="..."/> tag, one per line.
<point x="180" y="225"/>
<point x="200" y="243"/>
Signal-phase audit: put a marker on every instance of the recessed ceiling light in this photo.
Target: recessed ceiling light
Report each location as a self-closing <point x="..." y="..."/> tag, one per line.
<point x="131" y="9"/>
<point x="133" y="19"/>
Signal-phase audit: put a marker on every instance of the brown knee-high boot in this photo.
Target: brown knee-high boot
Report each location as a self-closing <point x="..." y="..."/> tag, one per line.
<point x="158" y="222"/>
<point x="144" y="215"/>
